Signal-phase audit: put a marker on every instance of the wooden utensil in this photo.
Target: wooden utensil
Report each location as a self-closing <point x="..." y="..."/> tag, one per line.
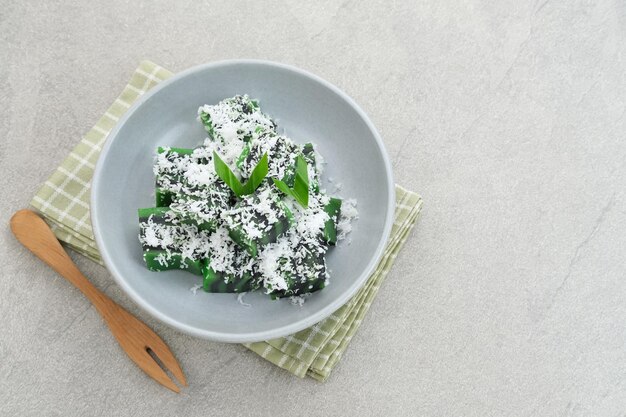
<point x="133" y="335"/>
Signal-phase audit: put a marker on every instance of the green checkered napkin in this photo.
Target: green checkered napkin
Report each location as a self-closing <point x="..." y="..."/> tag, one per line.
<point x="64" y="202"/>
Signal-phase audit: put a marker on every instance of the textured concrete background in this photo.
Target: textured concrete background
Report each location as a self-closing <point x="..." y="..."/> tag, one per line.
<point x="508" y="116"/>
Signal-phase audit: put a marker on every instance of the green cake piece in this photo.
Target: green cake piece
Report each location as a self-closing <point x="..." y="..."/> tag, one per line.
<point x="258" y="219"/>
<point x="303" y="272"/>
<point x="238" y="117"/>
<point x="170" y="243"/>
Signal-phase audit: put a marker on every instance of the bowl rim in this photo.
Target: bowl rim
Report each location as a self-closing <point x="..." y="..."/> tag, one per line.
<point x="250" y="336"/>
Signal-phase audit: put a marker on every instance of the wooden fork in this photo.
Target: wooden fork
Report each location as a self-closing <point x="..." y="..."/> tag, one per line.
<point x="133" y="335"/>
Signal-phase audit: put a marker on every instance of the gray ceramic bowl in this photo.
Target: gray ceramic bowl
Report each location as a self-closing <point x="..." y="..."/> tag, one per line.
<point x="307" y="108"/>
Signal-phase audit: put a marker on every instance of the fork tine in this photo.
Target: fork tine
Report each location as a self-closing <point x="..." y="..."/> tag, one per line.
<point x="136" y="338"/>
<point x="165" y="355"/>
<point x="152" y="368"/>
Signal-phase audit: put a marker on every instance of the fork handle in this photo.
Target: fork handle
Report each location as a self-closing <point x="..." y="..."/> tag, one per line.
<point x="59" y="260"/>
<point x="35" y="234"/>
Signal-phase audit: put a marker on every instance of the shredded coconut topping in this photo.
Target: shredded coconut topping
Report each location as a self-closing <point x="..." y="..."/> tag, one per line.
<point x="265" y="235"/>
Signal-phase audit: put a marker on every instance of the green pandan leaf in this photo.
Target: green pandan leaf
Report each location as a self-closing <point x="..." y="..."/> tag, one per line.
<point x="257" y="176"/>
<point x="300" y="190"/>
<point x="228" y="176"/>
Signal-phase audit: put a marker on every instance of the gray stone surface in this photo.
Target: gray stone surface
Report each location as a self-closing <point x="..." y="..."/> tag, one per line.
<point x="508" y="116"/>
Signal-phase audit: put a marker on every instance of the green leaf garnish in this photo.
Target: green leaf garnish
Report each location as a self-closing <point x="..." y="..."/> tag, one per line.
<point x="257" y="176"/>
<point x="300" y="190"/>
<point x="228" y="176"/>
